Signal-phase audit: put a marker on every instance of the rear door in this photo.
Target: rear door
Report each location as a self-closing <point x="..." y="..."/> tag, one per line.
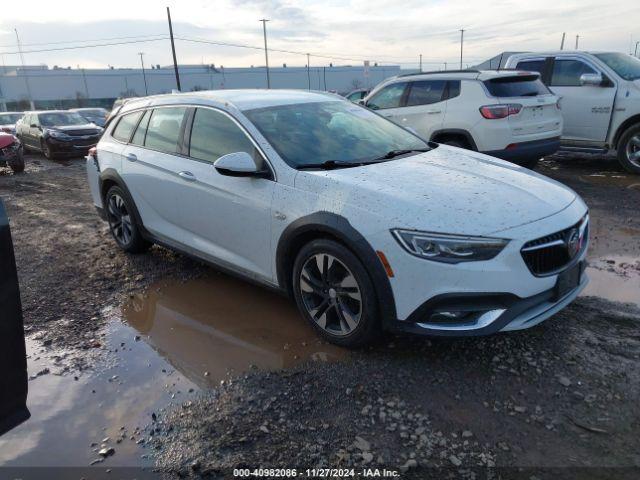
<point x="152" y="168"/>
<point x="539" y="113"/>
<point x="424" y="107"/>
<point x="13" y="360"/>
<point x="586" y="109"/>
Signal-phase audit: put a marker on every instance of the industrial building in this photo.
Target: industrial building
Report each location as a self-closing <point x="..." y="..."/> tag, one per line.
<point x="41" y="87"/>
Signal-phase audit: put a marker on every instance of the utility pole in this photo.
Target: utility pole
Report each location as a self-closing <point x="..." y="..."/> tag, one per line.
<point x="144" y="76"/>
<point x="635" y="54"/>
<point x="266" y="55"/>
<point x="445" y="65"/>
<point x="173" y="50"/>
<point x="564" y="34"/>
<point x="461" y="44"/>
<point x="420" y="63"/>
<point x="308" y="72"/>
<point x="577" y="38"/>
<point x="24" y="72"/>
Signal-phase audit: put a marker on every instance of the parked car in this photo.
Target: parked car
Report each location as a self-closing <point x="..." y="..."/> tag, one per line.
<point x="600" y="98"/>
<point x="356" y="95"/>
<point x="93" y="115"/>
<point x="13" y="368"/>
<point x="503" y="114"/>
<point x="365" y="224"/>
<point x="8" y="121"/>
<point x="11" y="152"/>
<point x="57" y="133"/>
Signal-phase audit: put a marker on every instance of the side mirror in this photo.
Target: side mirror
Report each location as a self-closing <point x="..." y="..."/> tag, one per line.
<point x="591" y="79"/>
<point x="239" y="164"/>
<point x="362" y="102"/>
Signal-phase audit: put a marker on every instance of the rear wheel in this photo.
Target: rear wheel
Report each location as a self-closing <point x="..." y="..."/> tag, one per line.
<point x="629" y="149"/>
<point x="334" y="293"/>
<point x="122" y="224"/>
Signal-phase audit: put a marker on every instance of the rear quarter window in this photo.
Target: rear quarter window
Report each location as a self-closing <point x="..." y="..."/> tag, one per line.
<point x="125" y="126"/>
<point x="516" y="86"/>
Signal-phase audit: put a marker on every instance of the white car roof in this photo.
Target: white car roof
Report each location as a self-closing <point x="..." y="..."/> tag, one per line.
<point x="242" y="99"/>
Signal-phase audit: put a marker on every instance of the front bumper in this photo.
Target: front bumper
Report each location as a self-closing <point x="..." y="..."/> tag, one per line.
<point x="503" y="311"/>
<point x="525" y="151"/>
<point x="72" y="147"/>
<point x="10" y="153"/>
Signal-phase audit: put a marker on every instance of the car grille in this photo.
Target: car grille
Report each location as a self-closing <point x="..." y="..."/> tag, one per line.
<point x="10" y="150"/>
<point x="80" y="133"/>
<point x="550" y="254"/>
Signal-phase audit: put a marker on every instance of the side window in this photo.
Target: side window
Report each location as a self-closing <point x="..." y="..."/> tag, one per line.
<point x="567" y="72"/>
<point x="425" y="92"/>
<point x="453" y="87"/>
<point x="141" y="131"/>
<point x="213" y="135"/>
<point x="389" y="97"/>
<point x="34" y="119"/>
<point x="163" y="131"/>
<point x="125" y="126"/>
<point x="531" y="65"/>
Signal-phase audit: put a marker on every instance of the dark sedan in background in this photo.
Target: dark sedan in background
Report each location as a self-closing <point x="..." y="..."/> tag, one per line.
<point x="93" y="115"/>
<point x="57" y="133"/>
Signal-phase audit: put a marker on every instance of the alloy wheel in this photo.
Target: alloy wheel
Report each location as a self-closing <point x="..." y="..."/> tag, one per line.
<point x="331" y="294"/>
<point x="119" y="219"/>
<point x="633" y="150"/>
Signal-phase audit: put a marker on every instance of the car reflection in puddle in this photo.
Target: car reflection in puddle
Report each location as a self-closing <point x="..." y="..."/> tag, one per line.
<point x="211" y="327"/>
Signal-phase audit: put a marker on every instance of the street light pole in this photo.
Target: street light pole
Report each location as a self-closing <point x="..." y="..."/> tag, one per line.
<point x="24" y="72"/>
<point x="144" y="76"/>
<point x="266" y="54"/>
<point x="420" y="63"/>
<point x="461" y="45"/>
<point x="636" y="52"/>
<point x="577" y="38"/>
<point x="173" y="51"/>
<point x="308" y="72"/>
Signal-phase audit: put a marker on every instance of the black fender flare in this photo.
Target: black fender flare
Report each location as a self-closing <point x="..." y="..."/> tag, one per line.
<point x="111" y="175"/>
<point x="455" y="131"/>
<point x="327" y="224"/>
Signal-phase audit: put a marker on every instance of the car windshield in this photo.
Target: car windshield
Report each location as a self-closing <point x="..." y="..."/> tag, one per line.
<point x="340" y="132"/>
<point x="9" y="118"/>
<point x="61" y="118"/>
<point x="626" y="66"/>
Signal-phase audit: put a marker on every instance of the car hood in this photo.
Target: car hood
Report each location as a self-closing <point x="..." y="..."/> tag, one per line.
<point x="6" y="139"/>
<point x="447" y="190"/>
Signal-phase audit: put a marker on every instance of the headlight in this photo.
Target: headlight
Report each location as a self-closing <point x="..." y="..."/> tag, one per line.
<point x="57" y="134"/>
<point x="449" y="248"/>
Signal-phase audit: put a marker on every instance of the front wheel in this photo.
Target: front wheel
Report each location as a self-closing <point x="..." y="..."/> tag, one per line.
<point x="46" y="150"/>
<point x="629" y="150"/>
<point x="335" y="294"/>
<point x="17" y="163"/>
<point x="122" y="224"/>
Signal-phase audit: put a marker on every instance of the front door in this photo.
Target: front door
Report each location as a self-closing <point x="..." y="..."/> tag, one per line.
<point x="226" y="218"/>
<point x="425" y="107"/>
<point x="388" y="101"/>
<point x="586" y="109"/>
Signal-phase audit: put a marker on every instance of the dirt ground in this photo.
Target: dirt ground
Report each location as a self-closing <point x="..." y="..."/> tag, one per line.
<point x="557" y="401"/>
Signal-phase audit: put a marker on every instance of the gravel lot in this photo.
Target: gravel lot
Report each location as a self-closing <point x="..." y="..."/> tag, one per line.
<point x="561" y="395"/>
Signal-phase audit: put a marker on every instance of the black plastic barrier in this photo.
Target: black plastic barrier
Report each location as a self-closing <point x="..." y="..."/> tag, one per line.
<point x="13" y="357"/>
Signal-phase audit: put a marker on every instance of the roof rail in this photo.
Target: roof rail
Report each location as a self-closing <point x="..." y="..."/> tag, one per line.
<point x="466" y="70"/>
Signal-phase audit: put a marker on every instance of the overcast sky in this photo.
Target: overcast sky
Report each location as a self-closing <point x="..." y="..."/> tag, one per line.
<point x="380" y="30"/>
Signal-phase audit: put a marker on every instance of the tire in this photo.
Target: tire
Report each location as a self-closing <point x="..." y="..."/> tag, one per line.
<point x="17" y="164"/>
<point x="340" y="304"/>
<point x="629" y="149"/>
<point x="122" y="223"/>
<point x="46" y="150"/>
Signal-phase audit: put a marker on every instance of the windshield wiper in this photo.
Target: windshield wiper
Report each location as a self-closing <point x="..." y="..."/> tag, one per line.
<point x="396" y="153"/>
<point x="328" y="165"/>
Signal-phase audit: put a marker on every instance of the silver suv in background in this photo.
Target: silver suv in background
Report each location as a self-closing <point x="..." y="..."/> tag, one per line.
<point x="600" y="98"/>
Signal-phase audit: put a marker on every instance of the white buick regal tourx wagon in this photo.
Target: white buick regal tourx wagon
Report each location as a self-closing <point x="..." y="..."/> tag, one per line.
<point x="367" y="226"/>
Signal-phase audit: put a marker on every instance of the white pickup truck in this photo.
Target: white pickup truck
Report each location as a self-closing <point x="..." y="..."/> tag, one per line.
<point x="600" y="98"/>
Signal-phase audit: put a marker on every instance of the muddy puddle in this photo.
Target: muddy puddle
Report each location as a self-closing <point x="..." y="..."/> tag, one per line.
<point x="614" y="260"/>
<point x="161" y="348"/>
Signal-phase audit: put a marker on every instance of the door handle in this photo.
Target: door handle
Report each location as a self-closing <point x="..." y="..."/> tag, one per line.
<point x="131" y="157"/>
<point x="188" y="176"/>
<point x="433" y="112"/>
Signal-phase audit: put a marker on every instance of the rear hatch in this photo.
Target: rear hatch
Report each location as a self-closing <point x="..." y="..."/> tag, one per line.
<point x="539" y="112"/>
